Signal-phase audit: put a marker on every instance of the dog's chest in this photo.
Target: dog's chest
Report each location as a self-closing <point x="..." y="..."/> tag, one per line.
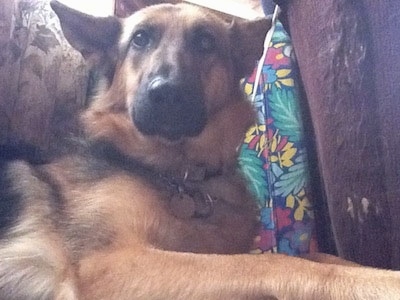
<point x="129" y="210"/>
<point x="215" y="216"/>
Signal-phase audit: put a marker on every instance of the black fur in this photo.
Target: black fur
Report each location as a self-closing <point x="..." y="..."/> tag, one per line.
<point x="10" y="200"/>
<point x="103" y="157"/>
<point x="22" y="151"/>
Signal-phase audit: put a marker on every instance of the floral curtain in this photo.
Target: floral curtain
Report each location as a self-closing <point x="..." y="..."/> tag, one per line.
<point x="273" y="156"/>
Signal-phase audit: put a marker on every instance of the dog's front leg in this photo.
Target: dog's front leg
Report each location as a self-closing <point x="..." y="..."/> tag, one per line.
<point x="155" y="274"/>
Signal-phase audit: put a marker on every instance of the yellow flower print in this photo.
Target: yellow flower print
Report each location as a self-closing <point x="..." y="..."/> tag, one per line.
<point x="303" y="205"/>
<point x="256" y="139"/>
<point x="282" y="151"/>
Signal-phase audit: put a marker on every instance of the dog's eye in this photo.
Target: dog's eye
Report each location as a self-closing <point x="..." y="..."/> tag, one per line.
<point x="141" y="39"/>
<point x="204" y="42"/>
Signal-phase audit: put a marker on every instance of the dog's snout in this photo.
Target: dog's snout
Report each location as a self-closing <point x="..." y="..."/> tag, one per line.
<point x="170" y="107"/>
<point x="161" y="90"/>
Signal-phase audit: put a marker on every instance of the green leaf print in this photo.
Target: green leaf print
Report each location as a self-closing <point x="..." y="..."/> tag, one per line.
<point x="294" y="180"/>
<point x="251" y="167"/>
<point x="286" y="113"/>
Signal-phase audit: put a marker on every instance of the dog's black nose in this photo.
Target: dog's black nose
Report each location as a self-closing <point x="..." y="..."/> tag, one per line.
<point x="170" y="108"/>
<point x="164" y="92"/>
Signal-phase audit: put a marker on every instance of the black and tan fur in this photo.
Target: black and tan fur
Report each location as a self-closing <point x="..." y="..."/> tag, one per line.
<point x="150" y="206"/>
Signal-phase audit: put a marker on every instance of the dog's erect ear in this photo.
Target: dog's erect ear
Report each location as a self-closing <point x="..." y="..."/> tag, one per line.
<point x="248" y="42"/>
<point x="92" y="36"/>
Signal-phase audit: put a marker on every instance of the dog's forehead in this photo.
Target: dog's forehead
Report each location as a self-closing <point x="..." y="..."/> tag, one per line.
<point x="173" y="16"/>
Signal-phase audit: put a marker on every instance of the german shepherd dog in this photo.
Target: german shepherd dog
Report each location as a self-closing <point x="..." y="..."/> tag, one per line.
<point x="144" y="209"/>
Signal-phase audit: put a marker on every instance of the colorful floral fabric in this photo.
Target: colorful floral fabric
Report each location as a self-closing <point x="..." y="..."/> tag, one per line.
<point x="273" y="156"/>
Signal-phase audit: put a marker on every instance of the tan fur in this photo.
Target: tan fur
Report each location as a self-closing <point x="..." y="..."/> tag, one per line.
<point x="111" y="233"/>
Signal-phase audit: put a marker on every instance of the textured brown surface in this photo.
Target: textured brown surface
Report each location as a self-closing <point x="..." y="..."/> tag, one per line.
<point x="348" y="58"/>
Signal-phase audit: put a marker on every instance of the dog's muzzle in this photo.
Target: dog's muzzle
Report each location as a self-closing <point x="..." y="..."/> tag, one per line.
<point x="169" y="109"/>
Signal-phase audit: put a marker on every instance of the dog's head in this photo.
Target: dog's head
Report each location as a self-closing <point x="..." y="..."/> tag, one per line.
<point x="173" y="75"/>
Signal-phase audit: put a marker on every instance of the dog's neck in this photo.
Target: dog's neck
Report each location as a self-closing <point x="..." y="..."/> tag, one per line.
<point x="187" y="171"/>
<point x="186" y="199"/>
